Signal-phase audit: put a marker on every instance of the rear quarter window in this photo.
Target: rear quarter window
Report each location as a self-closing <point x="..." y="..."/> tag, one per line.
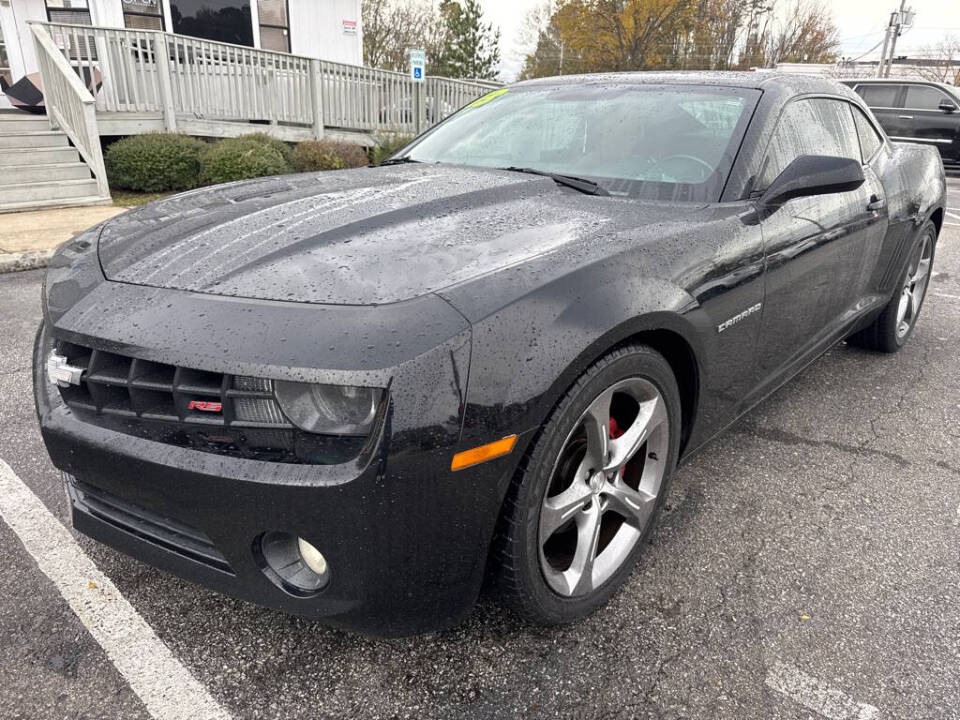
<point x="870" y="141"/>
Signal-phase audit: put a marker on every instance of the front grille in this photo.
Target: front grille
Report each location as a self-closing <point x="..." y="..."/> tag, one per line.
<point x="127" y="387"/>
<point x="233" y="415"/>
<point x="165" y="532"/>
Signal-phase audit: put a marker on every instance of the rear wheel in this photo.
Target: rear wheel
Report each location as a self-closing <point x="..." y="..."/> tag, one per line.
<point x="894" y="326"/>
<point x="590" y="489"/>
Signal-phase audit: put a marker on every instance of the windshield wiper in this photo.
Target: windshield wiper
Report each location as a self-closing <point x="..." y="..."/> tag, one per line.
<point x="588" y="187"/>
<point x="398" y="161"/>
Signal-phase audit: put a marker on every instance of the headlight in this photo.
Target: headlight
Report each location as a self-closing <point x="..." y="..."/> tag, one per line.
<point x="329" y="409"/>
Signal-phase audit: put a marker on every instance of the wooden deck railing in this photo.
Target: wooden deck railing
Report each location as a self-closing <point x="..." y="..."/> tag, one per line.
<point x="149" y="71"/>
<point x="70" y="106"/>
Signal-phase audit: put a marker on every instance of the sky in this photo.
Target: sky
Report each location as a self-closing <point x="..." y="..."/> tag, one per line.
<point x="861" y="24"/>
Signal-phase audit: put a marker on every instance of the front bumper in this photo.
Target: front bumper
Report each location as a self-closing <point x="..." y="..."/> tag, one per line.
<point x="405" y="538"/>
<point x="406" y="541"/>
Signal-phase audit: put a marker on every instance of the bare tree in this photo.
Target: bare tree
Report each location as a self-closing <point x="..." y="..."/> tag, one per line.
<point x="804" y="33"/>
<point x="392" y="27"/>
<point x="943" y="61"/>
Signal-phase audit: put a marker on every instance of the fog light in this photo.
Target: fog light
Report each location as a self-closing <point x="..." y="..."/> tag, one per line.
<point x="312" y="557"/>
<point x="292" y="563"/>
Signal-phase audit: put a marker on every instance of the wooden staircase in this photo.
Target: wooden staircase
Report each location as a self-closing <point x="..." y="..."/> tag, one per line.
<point x="39" y="168"/>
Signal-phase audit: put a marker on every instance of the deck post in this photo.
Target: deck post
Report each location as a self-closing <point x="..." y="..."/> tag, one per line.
<point x="162" y="53"/>
<point x="316" y="98"/>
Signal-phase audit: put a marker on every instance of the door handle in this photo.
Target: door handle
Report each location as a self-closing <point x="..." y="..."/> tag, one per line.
<point x="876" y="203"/>
<point x="905" y="117"/>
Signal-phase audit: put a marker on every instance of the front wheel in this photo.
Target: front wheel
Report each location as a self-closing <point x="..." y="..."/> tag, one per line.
<point x="894" y="326"/>
<point x="590" y="489"/>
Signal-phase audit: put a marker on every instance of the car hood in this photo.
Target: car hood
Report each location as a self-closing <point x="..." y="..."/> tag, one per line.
<point x="355" y="237"/>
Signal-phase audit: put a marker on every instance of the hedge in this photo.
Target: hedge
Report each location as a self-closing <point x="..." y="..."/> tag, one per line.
<point x="158" y="162"/>
<point x="313" y="155"/>
<point x="165" y="162"/>
<point x="388" y="144"/>
<point x="242" y="158"/>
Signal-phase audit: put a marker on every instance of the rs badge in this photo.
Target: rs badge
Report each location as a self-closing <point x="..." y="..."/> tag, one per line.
<point x="206" y="406"/>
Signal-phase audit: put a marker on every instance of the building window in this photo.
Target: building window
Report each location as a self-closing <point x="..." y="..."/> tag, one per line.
<point x="4" y="61"/>
<point x="77" y="45"/>
<point x="274" y="25"/>
<point x="69" y="12"/>
<point x="142" y="14"/>
<point x="224" y="20"/>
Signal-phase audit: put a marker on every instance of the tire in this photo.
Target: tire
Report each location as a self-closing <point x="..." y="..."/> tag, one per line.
<point x="562" y="507"/>
<point x="896" y="322"/>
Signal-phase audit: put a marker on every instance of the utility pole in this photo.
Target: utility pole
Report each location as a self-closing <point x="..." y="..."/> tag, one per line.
<point x="900" y="19"/>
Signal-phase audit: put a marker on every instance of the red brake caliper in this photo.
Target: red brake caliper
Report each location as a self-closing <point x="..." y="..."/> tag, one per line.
<point x="616" y="432"/>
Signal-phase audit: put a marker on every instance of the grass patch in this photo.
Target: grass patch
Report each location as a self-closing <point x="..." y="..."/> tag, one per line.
<point x="127" y="199"/>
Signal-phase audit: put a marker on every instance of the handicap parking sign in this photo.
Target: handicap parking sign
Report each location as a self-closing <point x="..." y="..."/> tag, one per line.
<point x="418" y="65"/>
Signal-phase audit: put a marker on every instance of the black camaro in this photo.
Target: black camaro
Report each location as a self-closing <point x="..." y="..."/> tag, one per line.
<point x="355" y="395"/>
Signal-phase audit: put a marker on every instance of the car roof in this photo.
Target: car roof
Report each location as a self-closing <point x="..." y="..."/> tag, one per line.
<point x="900" y="81"/>
<point x="761" y="79"/>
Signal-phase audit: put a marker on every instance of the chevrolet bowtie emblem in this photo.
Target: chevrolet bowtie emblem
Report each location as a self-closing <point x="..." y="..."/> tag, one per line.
<point x="62" y="372"/>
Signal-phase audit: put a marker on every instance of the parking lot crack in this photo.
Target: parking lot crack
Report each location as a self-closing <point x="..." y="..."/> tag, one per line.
<point x="948" y="467"/>
<point x="785" y="437"/>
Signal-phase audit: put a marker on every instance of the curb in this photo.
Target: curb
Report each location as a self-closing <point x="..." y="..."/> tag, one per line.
<point x="15" y="262"/>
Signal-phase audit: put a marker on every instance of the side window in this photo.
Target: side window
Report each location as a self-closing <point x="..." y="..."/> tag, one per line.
<point x="923" y="97"/>
<point x="870" y="141"/>
<point x="841" y="140"/>
<point x="879" y="95"/>
<point x="810" y="127"/>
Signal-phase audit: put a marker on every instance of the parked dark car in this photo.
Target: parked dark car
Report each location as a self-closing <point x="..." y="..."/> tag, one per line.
<point x="354" y="395"/>
<point x="915" y="111"/>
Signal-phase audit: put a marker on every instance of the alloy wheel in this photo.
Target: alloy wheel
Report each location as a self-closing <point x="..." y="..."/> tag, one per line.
<point x="914" y="288"/>
<point x="604" y="487"/>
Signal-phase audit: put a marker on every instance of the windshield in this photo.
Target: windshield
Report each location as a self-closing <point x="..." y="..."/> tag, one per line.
<point x="666" y="142"/>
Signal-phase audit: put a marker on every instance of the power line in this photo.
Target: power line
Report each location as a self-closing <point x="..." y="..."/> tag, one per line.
<point x="868" y="51"/>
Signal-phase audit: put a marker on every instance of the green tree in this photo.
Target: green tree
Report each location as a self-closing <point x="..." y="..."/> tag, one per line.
<point x="466" y="47"/>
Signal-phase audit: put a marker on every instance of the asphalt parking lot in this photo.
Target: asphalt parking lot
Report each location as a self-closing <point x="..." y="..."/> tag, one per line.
<point x="808" y="566"/>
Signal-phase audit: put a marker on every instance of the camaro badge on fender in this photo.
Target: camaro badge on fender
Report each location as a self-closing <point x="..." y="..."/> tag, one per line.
<point x="738" y="317"/>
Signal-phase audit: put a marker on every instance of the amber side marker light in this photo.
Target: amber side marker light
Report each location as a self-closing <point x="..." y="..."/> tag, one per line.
<point x="477" y="455"/>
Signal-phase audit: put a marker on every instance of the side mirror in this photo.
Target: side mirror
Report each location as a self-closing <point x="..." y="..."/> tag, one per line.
<point x="948" y="106"/>
<point x="813" y="175"/>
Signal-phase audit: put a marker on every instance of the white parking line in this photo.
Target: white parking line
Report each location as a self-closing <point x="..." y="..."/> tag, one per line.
<point x="953" y="215"/>
<point x="165" y="686"/>
<point x="816" y="695"/>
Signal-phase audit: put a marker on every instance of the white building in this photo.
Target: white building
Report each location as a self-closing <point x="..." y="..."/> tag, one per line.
<point x="322" y="29"/>
<point x="209" y="68"/>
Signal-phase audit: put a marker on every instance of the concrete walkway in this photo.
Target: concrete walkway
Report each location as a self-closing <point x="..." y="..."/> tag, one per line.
<point x="28" y="239"/>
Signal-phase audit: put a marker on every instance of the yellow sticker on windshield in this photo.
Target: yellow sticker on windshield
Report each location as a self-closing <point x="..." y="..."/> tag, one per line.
<point x="488" y="97"/>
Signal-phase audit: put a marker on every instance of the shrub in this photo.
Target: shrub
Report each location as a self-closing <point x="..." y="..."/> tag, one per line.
<point x="260" y="138"/>
<point x="158" y="162"/>
<point x="242" y="158"/>
<point x="387" y="145"/>
<point x="315" y="155"/>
